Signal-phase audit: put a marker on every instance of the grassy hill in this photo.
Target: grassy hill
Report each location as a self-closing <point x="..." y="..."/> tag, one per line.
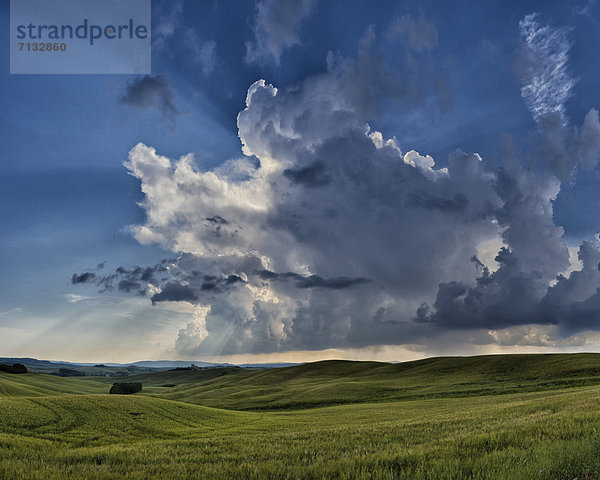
<point x="178" y="377"/>
<point x="436" y="427"/>
<point x="37" y="385"/>
<point x="339" y="382"/>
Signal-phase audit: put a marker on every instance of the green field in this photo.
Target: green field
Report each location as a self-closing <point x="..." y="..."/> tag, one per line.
<point x="491" y="417"/>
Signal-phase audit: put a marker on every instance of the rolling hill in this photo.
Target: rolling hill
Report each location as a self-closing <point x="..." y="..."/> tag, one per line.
<point x="340" y="382"/>
<point x="490" y="417"/>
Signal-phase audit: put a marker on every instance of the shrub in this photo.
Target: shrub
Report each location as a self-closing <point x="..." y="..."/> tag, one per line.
<point x="123" y="388"/>
<point x="13" y="368"/>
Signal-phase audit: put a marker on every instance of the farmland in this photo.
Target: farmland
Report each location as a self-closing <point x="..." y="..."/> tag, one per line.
<point x="528" y="416"/>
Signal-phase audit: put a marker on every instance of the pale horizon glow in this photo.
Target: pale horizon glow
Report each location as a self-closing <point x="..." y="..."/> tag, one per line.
<point x="380" y="353"/>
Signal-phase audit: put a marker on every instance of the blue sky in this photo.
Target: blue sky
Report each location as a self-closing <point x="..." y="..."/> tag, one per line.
<point x="434" y="77"/>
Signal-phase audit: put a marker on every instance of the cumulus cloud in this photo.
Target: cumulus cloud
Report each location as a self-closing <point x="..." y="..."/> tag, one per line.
<point x="547" y="83"/>
<point x="312" y="176"/>
<point x="278" y="254"/>
<point x="276" y="28"/>
<point x="325" y="234"/>
<point x="527" y="287"/>
<point x="151" y="92"/>
<point x="194" y="332"/>
<point x="562" y="149"/>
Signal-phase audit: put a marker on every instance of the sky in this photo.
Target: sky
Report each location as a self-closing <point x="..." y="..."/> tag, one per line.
<point x="309" y="179"/>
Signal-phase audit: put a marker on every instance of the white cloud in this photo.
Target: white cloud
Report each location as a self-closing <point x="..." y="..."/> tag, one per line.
<point x="276" y="29"/>
<point x="547" y="83"/>
<point x="74" y="298"/>
<point x="204" y="51"/>
<point x="326" y="234"/>
<point x="330" y="197"/>
<point x="168" y="22"/>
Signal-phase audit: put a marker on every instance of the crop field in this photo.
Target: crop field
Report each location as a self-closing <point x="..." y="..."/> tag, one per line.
<point x="493" y="417"/>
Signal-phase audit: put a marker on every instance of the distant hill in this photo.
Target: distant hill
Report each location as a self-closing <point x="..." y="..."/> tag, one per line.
<point x="171" y="364"/>
<point x="339" y="382"/>
<point x="65" y="369"/>
<point x="181" y="363"/>
<point x="153" y="364"/>
<point x="33" y="362"/>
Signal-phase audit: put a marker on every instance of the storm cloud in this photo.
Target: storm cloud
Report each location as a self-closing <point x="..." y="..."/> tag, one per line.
<point x="340" y="237"/>
<point x="313" y="281"/>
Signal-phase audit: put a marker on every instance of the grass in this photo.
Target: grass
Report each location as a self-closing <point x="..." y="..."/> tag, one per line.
<point x="37" y="385"/>
<point x="544" y="434"/>
<point x="342" y="382"/>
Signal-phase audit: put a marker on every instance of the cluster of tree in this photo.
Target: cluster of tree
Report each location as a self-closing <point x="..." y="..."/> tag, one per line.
<point x="126" y="388"/>
<point x="196" y="367"/>
<point x="13" y="368"/>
